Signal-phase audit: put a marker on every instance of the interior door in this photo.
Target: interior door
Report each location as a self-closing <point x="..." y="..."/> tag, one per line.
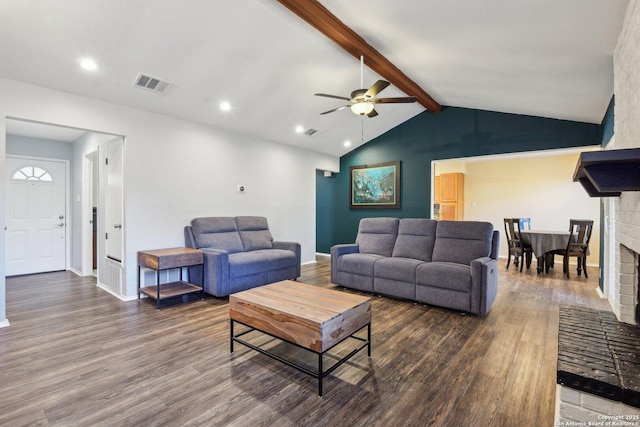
<point x="36" y="216"/>
<point x="114" y="206"/>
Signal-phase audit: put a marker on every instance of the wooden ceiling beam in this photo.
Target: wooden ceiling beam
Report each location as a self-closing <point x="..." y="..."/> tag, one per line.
<point x="324" y="21"/>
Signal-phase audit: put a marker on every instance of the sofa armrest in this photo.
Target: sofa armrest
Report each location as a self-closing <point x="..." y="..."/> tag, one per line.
<point x="216" y="272"/>
<point x="293" y="247"/>
<point x="336" y="252"/>
<point x="484" y="284"/>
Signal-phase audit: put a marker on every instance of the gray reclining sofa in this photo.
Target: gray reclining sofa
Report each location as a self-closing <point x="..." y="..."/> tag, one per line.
<point x="451" y="264"/>
<point x="239" y="254"/>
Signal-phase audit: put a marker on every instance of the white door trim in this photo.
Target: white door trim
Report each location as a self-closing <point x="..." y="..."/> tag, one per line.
<point x="67" y="192"/>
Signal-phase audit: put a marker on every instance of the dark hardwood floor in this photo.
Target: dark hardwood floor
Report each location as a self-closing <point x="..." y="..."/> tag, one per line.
<point x="76" y="356"/>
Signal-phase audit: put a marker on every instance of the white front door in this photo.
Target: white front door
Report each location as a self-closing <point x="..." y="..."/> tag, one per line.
<point x="36" y="216"/>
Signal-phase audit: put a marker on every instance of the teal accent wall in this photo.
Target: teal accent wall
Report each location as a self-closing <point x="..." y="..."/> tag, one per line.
<point x="452" y="133"/>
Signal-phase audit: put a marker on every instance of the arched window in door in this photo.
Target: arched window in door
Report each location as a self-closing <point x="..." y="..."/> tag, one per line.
<point x="32" y="173"/>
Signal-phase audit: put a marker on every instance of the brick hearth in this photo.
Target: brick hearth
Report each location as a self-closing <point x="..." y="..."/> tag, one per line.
<point x="598" y="366"/>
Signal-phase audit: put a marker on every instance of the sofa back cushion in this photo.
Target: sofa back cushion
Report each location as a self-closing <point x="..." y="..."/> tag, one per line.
<point x="416" y="238"/>
<point x="462" y="241"/>
<point x="217" y="233"/>
<point x="377" y="235"/>
<point x="254" y="233"/>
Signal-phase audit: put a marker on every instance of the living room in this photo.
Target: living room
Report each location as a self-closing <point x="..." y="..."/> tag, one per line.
<point x="177" y="169"/>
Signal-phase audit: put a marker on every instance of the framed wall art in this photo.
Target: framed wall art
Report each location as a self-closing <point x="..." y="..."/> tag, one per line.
<point x="375" y="186"/>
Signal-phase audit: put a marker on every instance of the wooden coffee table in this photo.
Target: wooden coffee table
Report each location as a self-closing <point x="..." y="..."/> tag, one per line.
<point x="309" y="317"/>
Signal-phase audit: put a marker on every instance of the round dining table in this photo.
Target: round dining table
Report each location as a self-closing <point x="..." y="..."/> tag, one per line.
<point x="543" y="243"/>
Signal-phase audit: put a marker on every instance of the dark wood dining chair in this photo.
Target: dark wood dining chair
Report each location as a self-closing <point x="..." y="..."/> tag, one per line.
<point x="520" y="251"/>
<point x="578" y="246"/>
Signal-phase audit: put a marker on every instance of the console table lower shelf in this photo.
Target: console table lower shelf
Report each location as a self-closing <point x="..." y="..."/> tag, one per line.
<point x="170" y="290"/>
<point x="308" y="317"/>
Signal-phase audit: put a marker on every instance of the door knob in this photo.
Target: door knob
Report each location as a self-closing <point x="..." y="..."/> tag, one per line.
<point x="117" y="225"/>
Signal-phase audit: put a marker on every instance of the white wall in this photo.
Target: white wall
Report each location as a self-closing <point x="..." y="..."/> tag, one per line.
<point x="541" y="188"/>
<point x="39" y="147"/>
<point x="176" y="170"/>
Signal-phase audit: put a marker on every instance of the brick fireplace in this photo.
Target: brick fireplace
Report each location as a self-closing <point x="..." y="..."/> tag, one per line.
<point x="625" y="304"/>
<point x="626" y="61"/>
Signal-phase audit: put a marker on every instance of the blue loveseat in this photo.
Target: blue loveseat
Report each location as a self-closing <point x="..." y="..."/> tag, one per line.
<point x="239" y="254"/>
<point x="450" y="264"/>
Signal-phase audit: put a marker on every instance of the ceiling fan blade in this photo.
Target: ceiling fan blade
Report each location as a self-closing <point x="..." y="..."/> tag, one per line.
<point x="377" y="87"/>
<point x="336" y="109"/>
<point x="332" y="96"/>
<point x="400" y="100"/>
<point x="373" y="113"/>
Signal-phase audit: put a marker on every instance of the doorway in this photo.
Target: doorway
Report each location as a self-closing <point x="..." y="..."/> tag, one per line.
<point x="85" y="152"/>
<point x="90" y="192"/>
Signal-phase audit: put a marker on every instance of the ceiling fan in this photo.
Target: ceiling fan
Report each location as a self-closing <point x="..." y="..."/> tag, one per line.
<point x="362" y="100"/>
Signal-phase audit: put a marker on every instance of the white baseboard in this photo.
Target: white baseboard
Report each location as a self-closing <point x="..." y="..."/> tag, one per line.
<point x="120" y="297"/>
<point x="4" y="323"/>
<point x="320" y="254"/>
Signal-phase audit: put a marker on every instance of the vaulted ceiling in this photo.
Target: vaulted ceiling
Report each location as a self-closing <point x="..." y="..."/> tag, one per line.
<point x="545" y="57"/>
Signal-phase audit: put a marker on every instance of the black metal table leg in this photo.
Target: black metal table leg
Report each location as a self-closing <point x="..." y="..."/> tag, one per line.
<point x="231" y="335"/>
<point x="320" y="374"/>
<point x="158" y="290"/>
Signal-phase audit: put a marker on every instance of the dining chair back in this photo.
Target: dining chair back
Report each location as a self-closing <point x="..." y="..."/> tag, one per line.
<point x="517" y="248"/>
<point x="578" y="245"/>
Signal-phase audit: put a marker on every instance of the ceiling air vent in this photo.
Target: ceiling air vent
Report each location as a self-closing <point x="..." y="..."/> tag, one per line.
<point x="310" y="132"/>
<point x="153" y="84"/>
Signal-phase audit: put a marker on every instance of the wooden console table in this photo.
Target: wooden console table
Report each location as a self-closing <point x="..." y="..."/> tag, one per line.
<point x="165" y="259"/>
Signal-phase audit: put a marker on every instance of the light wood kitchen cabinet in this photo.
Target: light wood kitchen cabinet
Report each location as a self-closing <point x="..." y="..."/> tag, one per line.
<point x="437" y="189"/>
<point x="450" y="195"/>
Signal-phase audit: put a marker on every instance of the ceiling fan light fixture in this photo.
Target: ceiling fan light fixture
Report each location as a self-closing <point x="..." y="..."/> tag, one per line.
<point x="362" y="108"/>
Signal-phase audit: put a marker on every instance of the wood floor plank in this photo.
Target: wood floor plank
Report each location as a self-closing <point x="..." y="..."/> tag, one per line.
<point x="75" y="355"/>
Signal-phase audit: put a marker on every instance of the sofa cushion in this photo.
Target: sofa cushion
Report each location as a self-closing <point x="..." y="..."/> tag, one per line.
<point x="246" y="264"/>
<point x="361" y="264"/>
<point x="462" y="241"/>
<point x="278" y="259"/>
<point x="396" y="268"/>
<point x="416" y="238"/>
<point x="445" y="275"/>
<point x="254" y="233"/>
<point x="217" y="233"/>
<point x="377" y="235"/>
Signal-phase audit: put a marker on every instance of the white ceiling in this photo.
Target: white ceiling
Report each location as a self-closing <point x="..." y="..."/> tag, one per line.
<point x="546" y="58"/>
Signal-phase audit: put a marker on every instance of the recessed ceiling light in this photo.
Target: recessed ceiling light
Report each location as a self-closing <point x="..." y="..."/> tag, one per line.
<point x="88" y="64"/>
<point x="225" y="106"/>
<point x="299" y="129"/>
<point x="347" y="144"/>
